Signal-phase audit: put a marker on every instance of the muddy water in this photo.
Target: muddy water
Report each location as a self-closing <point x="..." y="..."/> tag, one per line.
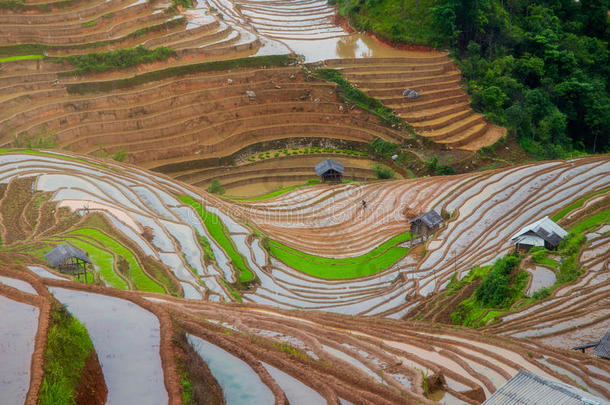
<point x="45" y="273"/>
<point x="126" y="339"/>
<point x="351" y="46"/>
<point x="296" y="392"/>
<point x="240" y="384"/>
<point x="17" y="333"/>
<point x="542" y="277"/>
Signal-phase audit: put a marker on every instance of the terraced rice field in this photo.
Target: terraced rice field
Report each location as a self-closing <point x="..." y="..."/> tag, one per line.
<point x="294" y="355"/>
<point x="441" y="113"/>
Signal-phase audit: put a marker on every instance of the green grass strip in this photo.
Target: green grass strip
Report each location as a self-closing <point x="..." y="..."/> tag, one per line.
<point x="21" y="57"/>
<point x="378" y="259"/>
<point x="591" y="222"/>
<point x="140" y="280"/>
<point x="270" y="195"/>
<point x="67" y="350"/>
<point x="577" y="204"/>
<point x="109" y="85"/>
<point x="55" y="155"/>
<point x="216" y="229"/>
<point x="103" y="262"/>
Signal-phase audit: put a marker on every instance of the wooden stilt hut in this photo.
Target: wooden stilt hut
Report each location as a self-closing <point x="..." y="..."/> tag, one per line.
<point x="69" y="260"/>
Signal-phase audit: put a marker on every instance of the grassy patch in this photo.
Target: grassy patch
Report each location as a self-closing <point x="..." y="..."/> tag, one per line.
<point x="502" y="286"/>
<point x="276" y="192"/>
<point x="140" y="280"/>
<point x="67" y="350"/>
<point x="373" y="262"/>
<point x="592" y="222"/>
<point x="116" y="59"/>
<point x="217" y="230"/>
<point x="20" y="57"/>
<point x="236" y="295"/>
<point x="577" y="204"/>
<point x="109" y="85"/>
<point x="87" y="24"/>
<point x="404" y="21"/>
<point x="103" y="261"/>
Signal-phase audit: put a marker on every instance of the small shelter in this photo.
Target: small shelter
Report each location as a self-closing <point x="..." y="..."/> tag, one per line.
<point x="527" y="388"/>
<point x="69" y="260"/>
<point x="544" y="233"/>
<point x="601" y="348"/>
<point x="425" y="224"/>
<point x="330" y="171"/>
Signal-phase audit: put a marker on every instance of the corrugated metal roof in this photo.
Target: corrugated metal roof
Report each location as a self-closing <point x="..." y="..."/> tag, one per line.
<point x="603" y="348"/>
<point x="527" y="388"/>
<point x="63" y="253"/>
<point x="327" y="165"/>
<point x="546" y="229"/>
<point x="431" y="219"/>
<point x="532" y="240"/>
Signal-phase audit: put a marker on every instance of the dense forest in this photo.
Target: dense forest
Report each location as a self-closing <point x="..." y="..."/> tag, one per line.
<point x="539" y="68"/>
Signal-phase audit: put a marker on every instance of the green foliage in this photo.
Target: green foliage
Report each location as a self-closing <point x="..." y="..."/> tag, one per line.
<point x="354" y="95"/>
<point x="21" y="57"/>
<point x="215" y="187"/>
<point x="117" y="59"/>
<point x="91" y="23"/>
<point x="109" y="85"/>
<point x="406" y="21"/>
<point x="378" y="259"/>
<point x="120" y="155"/>
<point x="384" y="172"/>
<point x="44" y="140"/>
<point x="216" y="229"/>
<point x="541" y="294"/>
<point x="494" y="291"/>
<point x="577" y="204"/>
<point x="207" y="248"/>
<point x="68" y="347"/>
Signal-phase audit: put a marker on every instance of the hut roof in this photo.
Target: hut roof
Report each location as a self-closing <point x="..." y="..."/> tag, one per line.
<point x="544" y="228"/>
<point x="603" y="347"/>
<point x="327" y="165"/>
<point x="431" y="219"/>
<point x="64" y="252"/>
<point x="527" y="388"/>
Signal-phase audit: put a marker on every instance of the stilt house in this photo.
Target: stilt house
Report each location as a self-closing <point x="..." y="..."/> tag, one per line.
<point x="68" y="260"/>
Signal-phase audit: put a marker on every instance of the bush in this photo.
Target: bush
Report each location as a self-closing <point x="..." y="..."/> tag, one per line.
<point x="215" y="187"/>
<point x="120" y="155"/>
<point x="541" y="294"/>
<point x="384" y="172"/>
<point x="494" y="291"/>
<point x="444" y="170"/>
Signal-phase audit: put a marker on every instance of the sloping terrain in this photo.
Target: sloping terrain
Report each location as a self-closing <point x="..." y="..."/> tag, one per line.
<point x="441" y="113"/>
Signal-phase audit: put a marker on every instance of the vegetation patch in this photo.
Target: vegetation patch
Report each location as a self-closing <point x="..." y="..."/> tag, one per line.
<point x="109" y="85"/>
<point x="116" y="59"/>
<point x="503" y="284"/>
<point x="20" y="57"/>
<point x="140" y="280"/>
<point x="217" y="230"/>
<point x="378" y="259"/>
<point x="348" y="92"/>
<point x="577" y="204"/>
<point x="67" y="350"/>
<point x="277" y="192"/>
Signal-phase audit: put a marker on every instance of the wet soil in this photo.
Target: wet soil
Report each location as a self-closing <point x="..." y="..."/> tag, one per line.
<point x="92" y="388"/>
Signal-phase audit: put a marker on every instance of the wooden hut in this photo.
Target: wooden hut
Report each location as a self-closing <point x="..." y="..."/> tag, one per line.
<point x="544" y="233"/>
<point x="330" y="171"/>
<point x="425" y="224"/>
<point x="529" y="388"/>
<point x="68" y="260"/>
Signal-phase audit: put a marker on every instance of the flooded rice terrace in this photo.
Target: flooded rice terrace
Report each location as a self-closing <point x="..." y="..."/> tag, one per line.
<point x="307" y="28"/>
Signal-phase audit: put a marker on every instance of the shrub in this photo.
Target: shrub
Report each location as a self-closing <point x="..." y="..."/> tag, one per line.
<point x="494" y="291"/>
<point x="117" y="59"/>
<point x="120" y="155"/>
<point x="215" y="187"/>
<point x="541" y="294"/>
<point x="444" y="170"/>
<point x="384" y="172"/>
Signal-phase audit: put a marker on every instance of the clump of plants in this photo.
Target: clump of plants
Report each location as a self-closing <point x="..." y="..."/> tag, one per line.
<point x="215" y="187"/>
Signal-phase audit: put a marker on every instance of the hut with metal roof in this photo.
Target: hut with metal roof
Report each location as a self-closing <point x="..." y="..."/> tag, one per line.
<point x="69" y="260"/>
<point x="601" y="348"/>
<point x="330" y="171"/>
<point x="425" y="224"/>
<point x="527" y="388"/>
<point x="544" y="233"/>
